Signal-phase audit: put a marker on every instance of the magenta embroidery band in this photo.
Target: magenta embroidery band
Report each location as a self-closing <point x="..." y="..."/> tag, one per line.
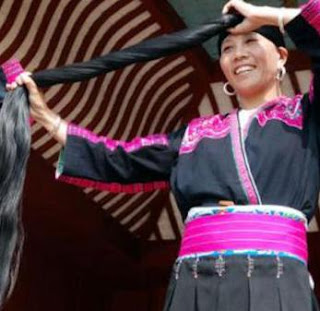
<point x="250" y="231"/>
<point x="111" y="144"/>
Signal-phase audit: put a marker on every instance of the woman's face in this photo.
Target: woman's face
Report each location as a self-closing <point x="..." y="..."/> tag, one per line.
<point x="250" y="62"/>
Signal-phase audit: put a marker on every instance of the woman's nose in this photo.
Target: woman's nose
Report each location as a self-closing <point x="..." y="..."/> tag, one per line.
<point x="240" y="52"/>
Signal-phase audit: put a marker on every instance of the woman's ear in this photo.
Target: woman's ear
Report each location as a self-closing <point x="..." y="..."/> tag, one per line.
<point x="283" y="55"/>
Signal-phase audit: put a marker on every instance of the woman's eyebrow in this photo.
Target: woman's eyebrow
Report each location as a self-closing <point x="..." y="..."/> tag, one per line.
<point x="226" y="41"/>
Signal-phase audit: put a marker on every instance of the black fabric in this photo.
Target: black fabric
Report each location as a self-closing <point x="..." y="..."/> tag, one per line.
<point x="272" y="33"/>
<point x="235" y="291"/>
<point x="284" y="158"/>
<point x="315" y="304"/>
<point x="273" y="170"/>
<point x="93" y="161"/>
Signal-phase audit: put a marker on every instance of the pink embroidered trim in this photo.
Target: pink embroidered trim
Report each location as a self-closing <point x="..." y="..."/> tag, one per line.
<point x="114" y="187"/>
<point x="288" y="110"/>
<point x="214" y="127"/>
<point x="311" y="13"/>
<point x="12" y="68"/>
<point x="240" y="161"/>
<point x="111" y="144"/>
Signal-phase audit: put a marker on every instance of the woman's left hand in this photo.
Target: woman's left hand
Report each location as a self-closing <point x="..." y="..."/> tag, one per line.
<point x="257" y="16"/>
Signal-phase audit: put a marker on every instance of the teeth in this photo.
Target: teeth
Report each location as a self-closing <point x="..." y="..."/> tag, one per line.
<point x="243" y="69"/>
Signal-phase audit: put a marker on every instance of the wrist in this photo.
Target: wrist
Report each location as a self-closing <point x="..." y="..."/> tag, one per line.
<point x="55" y="126"/>
<point x="271" y="15"/>
<point x="281" y="20"/>
<point x="278" y="17"/>
<point x="45" y="117"/>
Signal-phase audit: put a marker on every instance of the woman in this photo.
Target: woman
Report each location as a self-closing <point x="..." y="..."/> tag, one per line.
<point x="247" y="182"/>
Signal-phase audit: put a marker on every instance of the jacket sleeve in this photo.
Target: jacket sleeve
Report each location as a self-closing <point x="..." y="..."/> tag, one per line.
<point x="304" y="30"/>
<point x="143" y="164"/>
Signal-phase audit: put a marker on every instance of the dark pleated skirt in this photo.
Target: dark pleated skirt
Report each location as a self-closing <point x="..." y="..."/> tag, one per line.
<point x="203" y="286"/>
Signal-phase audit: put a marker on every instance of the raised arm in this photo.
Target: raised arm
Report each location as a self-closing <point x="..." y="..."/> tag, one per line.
<point x="89" y="160"/>
<point x="304" y="31"/>
<point x="142" y="164"/>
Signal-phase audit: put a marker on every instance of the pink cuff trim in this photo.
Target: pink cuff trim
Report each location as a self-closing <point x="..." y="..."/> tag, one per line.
<point x="111" y="144"/>
<point x="114" y="187"/>
<point x="12" y="69"/>
<point x="311" y="13"/>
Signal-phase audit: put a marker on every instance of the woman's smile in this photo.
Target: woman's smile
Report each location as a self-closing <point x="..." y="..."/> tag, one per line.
<point x="243" y="69"/>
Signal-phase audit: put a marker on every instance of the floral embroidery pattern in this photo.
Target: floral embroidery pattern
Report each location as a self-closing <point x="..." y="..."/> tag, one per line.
<point x="215" y="127"/>
<point x="111" y="144"/>
<point x="288" y="110"/>
<point x="285" y="109"/>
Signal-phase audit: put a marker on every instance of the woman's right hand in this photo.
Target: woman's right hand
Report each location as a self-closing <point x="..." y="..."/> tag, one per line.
<point x="38" y="106"/>
<point x="39" y="111"/>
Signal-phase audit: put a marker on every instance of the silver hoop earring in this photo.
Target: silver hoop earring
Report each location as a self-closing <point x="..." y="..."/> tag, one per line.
<point x="281" y="73"/>
<point x="228" y="92"/>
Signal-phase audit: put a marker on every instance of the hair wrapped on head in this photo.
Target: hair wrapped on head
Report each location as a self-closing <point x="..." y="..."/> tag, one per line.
<point x="272" y="33"/>
<point x="15" y="131"/>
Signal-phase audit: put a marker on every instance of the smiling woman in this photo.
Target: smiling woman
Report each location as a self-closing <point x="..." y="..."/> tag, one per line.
<point x="251" y="64"/>
<point x="246" y="183"/>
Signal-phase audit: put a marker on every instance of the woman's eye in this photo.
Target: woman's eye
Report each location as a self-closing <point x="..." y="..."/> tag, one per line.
<point x="251" y="40"/>
<point x="226" y="49"/>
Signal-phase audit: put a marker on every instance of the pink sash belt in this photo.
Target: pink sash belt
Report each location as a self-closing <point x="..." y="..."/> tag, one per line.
<point x="243" y="231"/>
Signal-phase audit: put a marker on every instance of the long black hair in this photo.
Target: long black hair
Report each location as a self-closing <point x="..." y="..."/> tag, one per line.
<point x="15" y="128"/>
<point x="14" y="151"/>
